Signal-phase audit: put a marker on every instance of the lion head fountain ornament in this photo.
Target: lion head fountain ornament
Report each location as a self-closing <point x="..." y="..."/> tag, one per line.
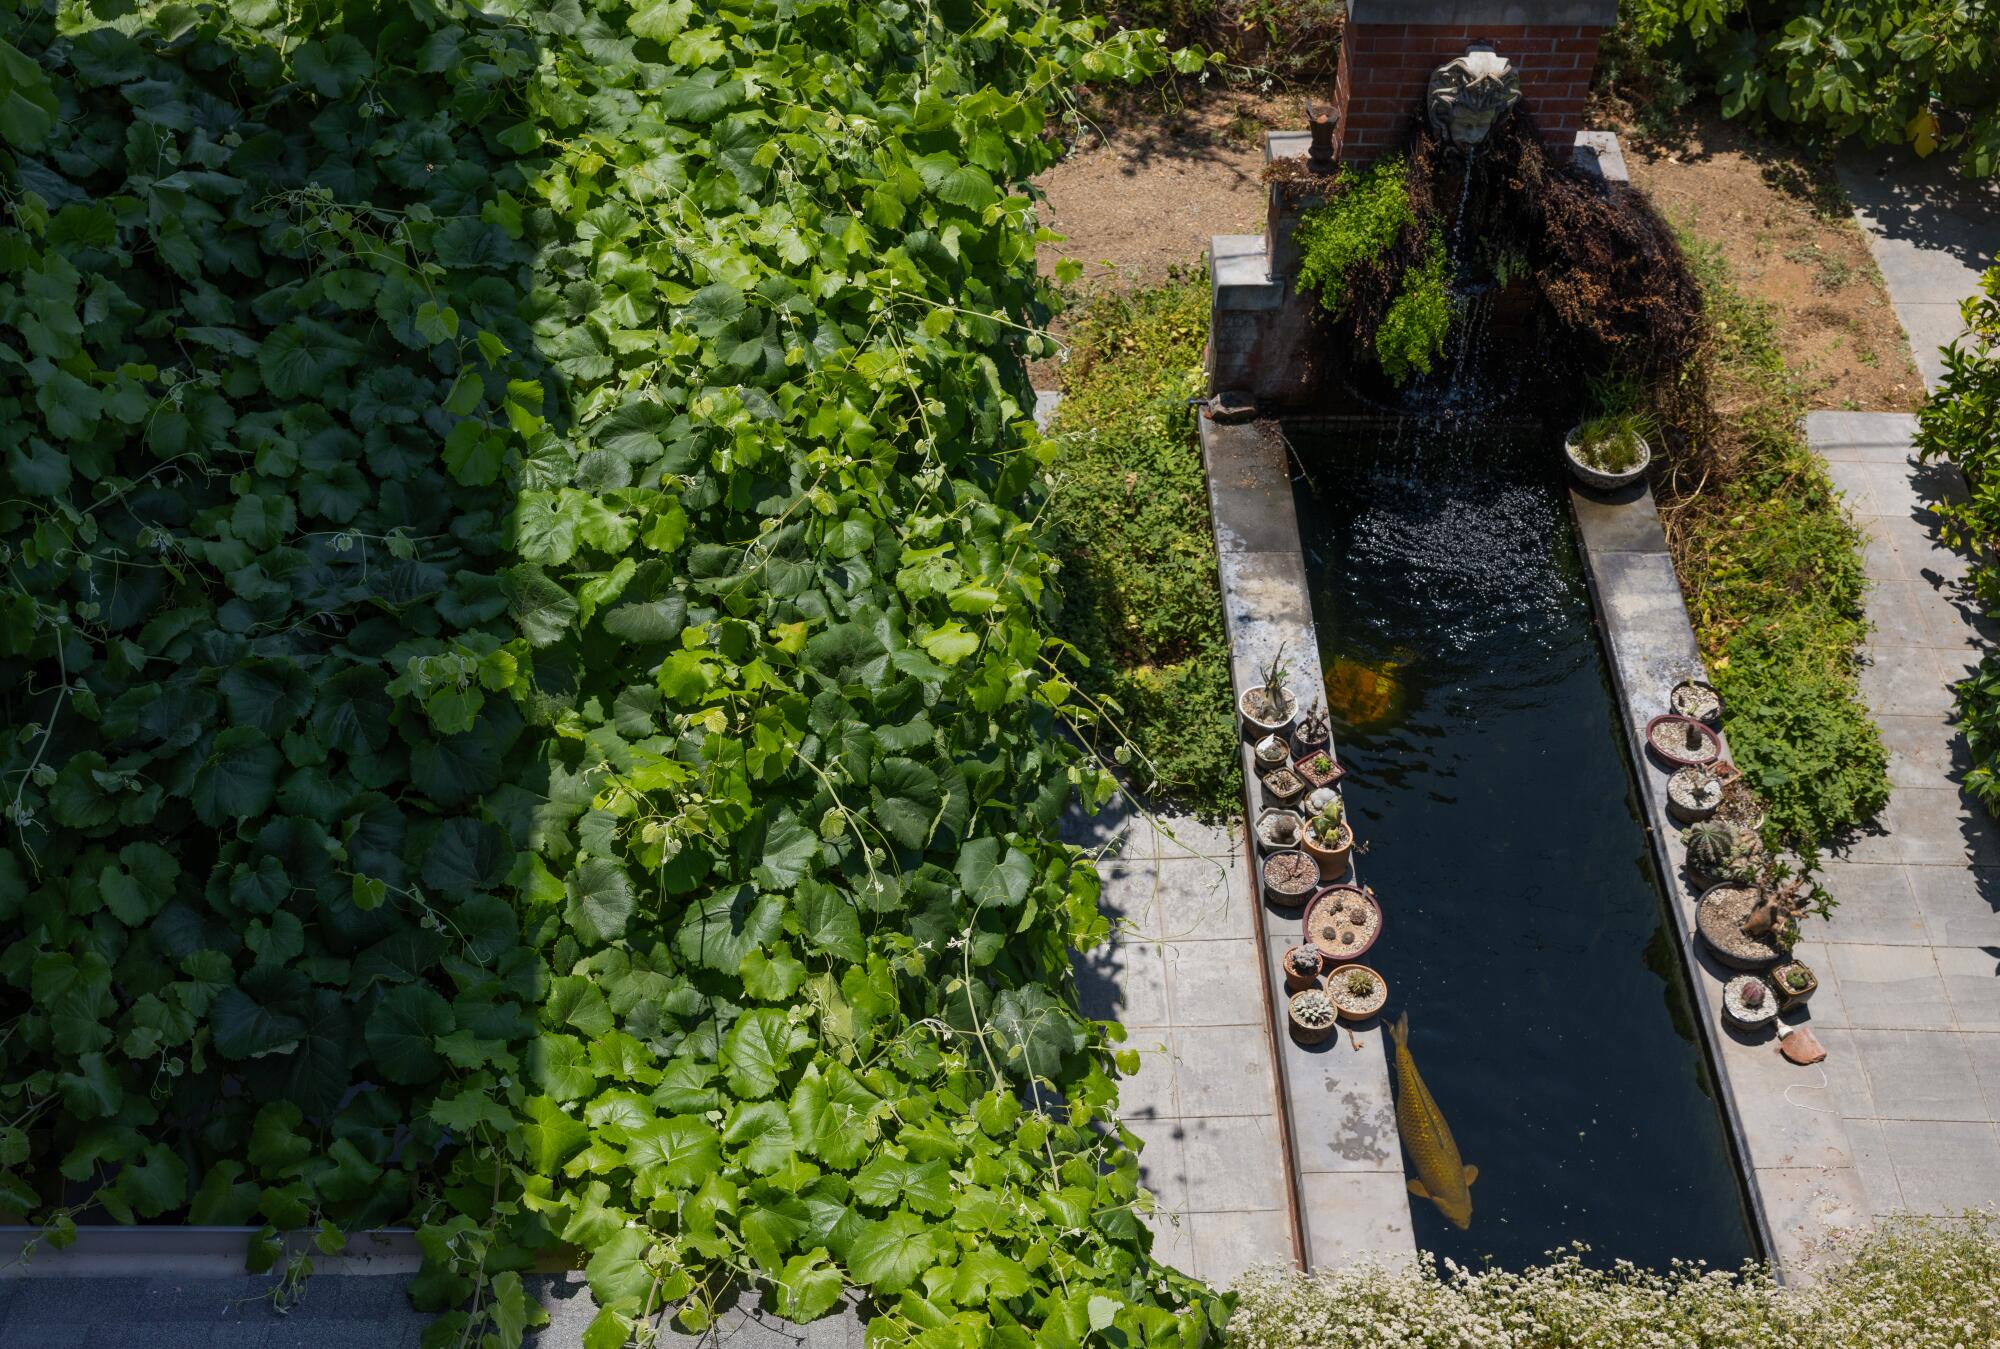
<point x="1470" y="94"/>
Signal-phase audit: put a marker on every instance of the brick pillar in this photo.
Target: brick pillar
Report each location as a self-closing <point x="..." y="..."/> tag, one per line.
<point x="1391" y="47"/>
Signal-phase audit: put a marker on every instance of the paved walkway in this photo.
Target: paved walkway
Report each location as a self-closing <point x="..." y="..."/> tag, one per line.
<point x="1910" y="1004"/>
<point x="1183" y="975"/>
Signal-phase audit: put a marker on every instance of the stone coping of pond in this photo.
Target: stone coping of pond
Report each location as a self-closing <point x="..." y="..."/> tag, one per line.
<point x="1796" y="1161"/>
<point x="1347" y="1181"/>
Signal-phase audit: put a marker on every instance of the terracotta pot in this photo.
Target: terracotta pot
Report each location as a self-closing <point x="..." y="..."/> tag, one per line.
<point x="1362" y="1012"/>
<point x="1303" y="766"/>
<point x="1282" y="789"/>
<point x="1335" y="861"/>
<point x="1308" y="1035"/>
<point x="1296" y="982"/>
<point x="1326" y="935"/>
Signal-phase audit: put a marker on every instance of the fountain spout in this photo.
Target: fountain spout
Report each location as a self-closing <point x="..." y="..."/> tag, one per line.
<point x="1470" y="94"/>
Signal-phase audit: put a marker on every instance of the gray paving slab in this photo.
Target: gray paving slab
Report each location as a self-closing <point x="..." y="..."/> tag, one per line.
<point x="1932" y="232"/>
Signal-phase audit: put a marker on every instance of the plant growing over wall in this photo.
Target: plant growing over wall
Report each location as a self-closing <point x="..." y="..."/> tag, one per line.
<point x="1412" y="333"/>
<point x="1363" y="218"/>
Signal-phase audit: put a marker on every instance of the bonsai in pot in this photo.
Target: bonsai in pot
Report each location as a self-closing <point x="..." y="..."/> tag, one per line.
<point x="1795" y="983"/>
<point x="1609" y="451"/>
<point x="1267" y="708"/>
<point x="1314" y="733"/>
<point x="1278" y="829"/>
<point x="1357" y="992"/>
<point x="1748" y="1003"/>
<point x="1313" y="1016"/>
<point x="1329" y="840"/>
<point x="1302" y="967"/>
<point x="1289" y="877"/>
<point x="1319" y="768"/>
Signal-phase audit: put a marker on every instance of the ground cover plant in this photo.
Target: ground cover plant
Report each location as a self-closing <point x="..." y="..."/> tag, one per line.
<point x="1915" y="72"/>
<point x="1771" y="567"/>
<point x="1909" y="1283"/>
<point x="1129" y="519"/>
<point x="529" y="710"/>
<point x="1960" y="424"/>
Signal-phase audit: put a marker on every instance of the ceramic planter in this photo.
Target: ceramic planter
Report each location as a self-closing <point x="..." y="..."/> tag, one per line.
<point x="1282" y="789"/>
<point x="1597" y="477"/>
<point x="1302" y="966"/>
<point x="1351" y="1005"/>
<point x="1694" y="794"/>
<point x="1795" y="983"/>
<point x="1697" y="698"/>
<point x="1318" y="799"/>
<point x="1260" y="717"/>
<point x="1313" y="1016"/>
<point x="1308" y="767"/>
<point x="1295" y="878"/>
<point x="1682" y="742"/>
<point x="1279" y="829"/>
<point x="1748" y="1003"/>
<point x="1272" y="754"/>
<point x="1719" y="919"/>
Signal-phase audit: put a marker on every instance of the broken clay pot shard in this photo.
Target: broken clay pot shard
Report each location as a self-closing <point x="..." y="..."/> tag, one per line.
<point x="1801" y="1048"/>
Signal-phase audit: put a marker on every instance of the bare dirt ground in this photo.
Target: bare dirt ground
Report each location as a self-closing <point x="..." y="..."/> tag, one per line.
<point x="1145" y="185"/>
<point x="1788" y="234"/>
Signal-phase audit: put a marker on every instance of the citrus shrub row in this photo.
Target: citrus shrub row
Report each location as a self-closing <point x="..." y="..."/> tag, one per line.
<point x="528" y="699"/>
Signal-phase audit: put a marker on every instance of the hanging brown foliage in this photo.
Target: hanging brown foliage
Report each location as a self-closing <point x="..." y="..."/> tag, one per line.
<point x="1601" y="256"/>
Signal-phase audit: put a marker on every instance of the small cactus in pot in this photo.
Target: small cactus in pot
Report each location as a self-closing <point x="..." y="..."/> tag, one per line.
<point x="1314" y="733"/>
<point x="1722" y="852"/>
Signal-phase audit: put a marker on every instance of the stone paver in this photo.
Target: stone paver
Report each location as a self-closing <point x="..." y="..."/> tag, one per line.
<point x="1930" y="229"/>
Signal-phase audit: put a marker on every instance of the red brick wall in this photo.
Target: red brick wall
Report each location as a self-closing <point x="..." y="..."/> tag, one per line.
<point x="1385" y="71"/>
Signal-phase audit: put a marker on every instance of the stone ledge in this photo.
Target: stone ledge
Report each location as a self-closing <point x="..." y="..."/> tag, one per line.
<point x="1240" y="272"/>
<point x="1487" y="13"/>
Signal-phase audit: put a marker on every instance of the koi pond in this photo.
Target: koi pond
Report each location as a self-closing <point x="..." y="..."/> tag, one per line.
<point x="1526" y="932"/>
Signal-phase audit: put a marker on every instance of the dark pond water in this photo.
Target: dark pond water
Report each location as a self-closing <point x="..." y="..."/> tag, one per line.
<point x="1526" y="934"/>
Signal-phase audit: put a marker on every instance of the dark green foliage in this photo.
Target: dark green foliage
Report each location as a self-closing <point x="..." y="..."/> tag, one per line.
<point x="1772" y="569"/>
<point x="526" y="706"/>
<point x="1960" y="424"/>
<point x="1418" y="320"/>
<point x="1129" y="519"/>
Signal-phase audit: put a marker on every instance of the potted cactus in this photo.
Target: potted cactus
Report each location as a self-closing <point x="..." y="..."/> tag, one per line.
<point x="1748" y="1003"/>
<point x="1357" y="992"/>
<point x="1694" y="793"/>
<point x="1320" y="769"/>
<point x="1267" y="707"/>
<point x="1302" y="966"/>
<point x="1272" y="753"/>
<point x="1277" y="829"/>
<point x="1317" y="799"/>
<point x="1717" y="852"/>
<point x="1795" y="983"/>
<point x="1314" y="733"/>
<point x="1313" y="1015"/>
<point x="1697" y="698"/>
<point x="1680" y="741"/>
<point x="1283" y="788"/>
<point x="1329" y="840"/>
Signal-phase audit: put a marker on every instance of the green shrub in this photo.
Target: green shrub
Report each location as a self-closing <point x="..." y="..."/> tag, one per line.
<point x="526" y="709"/>
<point x="1878" y="70"/>
<point x="1138" y="595"/>
<point x="1960" y="423"/>
<point x="1771" y="565"/>
<point x="1413" y="330"/>
<point x="1908" y="1283"/>
<point x="1360" y="221"/>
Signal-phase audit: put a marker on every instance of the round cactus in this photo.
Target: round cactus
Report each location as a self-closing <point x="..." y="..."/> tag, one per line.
<point x="1710" y="845"/>
<point x="1753" y="996"/>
